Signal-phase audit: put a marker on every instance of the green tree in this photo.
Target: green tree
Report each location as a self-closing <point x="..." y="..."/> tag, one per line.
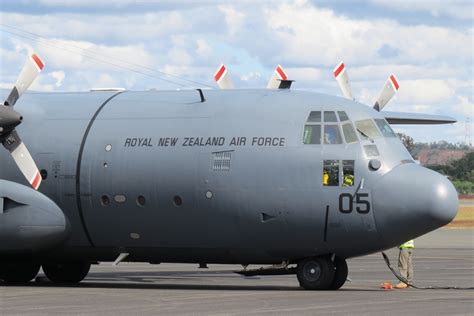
<point x="408" y="142"/>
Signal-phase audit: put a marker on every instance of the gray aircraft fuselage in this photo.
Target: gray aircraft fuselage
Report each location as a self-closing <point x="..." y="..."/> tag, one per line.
<point x="167" y="178"/>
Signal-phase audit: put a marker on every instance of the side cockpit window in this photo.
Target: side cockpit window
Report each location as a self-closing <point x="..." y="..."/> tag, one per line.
<point x="367" y="129"/>
<point x="348" y="173"/>
<point x="386" y="130"/>
<point x="331" y="173"/>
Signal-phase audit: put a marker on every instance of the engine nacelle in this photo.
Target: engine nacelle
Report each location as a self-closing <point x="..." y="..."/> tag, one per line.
<point x="29" y="221"/>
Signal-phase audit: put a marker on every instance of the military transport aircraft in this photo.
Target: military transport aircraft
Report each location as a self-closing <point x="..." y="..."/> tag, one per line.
<point x="296" y="180"/>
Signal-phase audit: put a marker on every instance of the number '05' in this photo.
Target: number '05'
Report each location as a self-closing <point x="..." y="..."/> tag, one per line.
<point x="346" y="203"/>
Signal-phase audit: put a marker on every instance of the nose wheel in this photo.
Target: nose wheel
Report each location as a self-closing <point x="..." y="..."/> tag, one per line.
<point x="18" y="272"/>
<point x="316" y="273"/>
<point x="320" y="273"/>
<point x="73" y="272"/>
<point x="340" y="273"/>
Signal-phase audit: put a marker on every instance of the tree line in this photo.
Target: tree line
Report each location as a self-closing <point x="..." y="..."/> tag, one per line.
<point x="460" y="172"/>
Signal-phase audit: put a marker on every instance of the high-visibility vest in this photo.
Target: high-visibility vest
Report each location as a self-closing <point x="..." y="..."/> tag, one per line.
<point x="408" y="244"/>
<point x="348" y="180"/>
<point x="325" y="178"/>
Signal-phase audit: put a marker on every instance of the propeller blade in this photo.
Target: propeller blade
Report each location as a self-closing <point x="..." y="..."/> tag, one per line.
<point x="342" y="79"/>
<point x="28" y="74"/>
<point x="278" y="75"/>
<point x="23" y="159"/>
<point x="222" y="78"/>
<point x="388" y="91"/>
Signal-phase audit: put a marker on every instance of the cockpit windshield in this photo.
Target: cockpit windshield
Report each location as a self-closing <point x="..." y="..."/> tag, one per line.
<point x="386" y="130"/>
<point x="367" y="129"/>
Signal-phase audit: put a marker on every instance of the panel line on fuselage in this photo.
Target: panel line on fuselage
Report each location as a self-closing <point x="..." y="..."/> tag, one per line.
<point x="78" y="168"/>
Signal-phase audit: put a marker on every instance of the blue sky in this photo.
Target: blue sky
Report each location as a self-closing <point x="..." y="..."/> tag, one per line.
<point x="85" y="44"/>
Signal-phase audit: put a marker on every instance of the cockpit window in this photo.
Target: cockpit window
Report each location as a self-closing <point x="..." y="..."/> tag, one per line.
<point x="330" y="116"/>
<point x="349" y="133"/>
<point x="331" y="173"/>
<point x="342" y="116"/>
<point x="314" y="116"/>
<point x="348" y="173"/>
<point x="312" y="134"/>
<point x="332" y="134"/>
<point x="385" y="128"/>
<point x="367" y="129"/>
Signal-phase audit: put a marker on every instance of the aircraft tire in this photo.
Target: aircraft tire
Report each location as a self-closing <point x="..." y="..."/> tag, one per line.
<point x="71" y="272"/>
<point x="315" y="273"/>
<point x="340" y="273"/>
<point x="18" y="272"/>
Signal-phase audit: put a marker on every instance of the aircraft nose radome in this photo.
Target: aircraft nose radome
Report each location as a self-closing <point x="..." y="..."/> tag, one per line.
<point x="411" y="201"/>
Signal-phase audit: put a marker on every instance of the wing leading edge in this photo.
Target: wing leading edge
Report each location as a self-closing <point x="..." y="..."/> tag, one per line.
<point x="416" y="118"/>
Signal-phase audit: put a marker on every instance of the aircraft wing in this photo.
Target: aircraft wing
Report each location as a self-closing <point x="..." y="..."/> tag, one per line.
<point x="416" y="118"/>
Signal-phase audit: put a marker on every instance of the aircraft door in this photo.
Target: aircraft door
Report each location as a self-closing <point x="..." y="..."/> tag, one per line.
<point x="349" y="218"/>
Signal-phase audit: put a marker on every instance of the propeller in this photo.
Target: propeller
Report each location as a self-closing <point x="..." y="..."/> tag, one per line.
<point x="388" y="91"/>
<point x="222" y="78"/>
<point x="9" y="119"/>
<point x="278" y="75"/>
<point x="343" y="80"/>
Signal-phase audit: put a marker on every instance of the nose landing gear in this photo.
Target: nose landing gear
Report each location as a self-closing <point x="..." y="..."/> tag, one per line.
<point x="320" y="273"/>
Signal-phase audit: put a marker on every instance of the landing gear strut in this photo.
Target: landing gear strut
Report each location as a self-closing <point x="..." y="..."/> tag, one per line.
<point x="316" y="273"/>
<point x="18" y="272"/>
<point x="71" y="272"/>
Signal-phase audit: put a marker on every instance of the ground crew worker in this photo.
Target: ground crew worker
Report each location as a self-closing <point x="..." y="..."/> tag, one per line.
<point x="348" y="180"/>
<point x="405" y="264"/>
<point x="325" y="177"/>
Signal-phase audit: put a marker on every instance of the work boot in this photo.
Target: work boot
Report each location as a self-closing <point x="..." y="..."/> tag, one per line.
<point x="401" y="285"/>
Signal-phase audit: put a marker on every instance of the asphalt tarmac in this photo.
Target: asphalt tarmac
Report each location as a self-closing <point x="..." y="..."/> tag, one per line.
<point x="442" y="258"/>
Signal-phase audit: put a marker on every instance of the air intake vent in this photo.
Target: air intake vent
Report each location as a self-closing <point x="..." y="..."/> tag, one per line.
<point x="221" y="160"/>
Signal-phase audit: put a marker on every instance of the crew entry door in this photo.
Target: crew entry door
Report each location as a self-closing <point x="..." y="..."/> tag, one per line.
<point x="350" y="217"/>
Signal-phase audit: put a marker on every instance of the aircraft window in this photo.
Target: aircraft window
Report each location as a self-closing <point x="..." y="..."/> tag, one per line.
<point x="349" y="133"/>
<point x="104" y="200"/>
<point x="312" y="134"/>
<point x="371" y="150"/>
<point x="314" y="116"/>
<point x="120" y="198"/>
<point x="385" y="128"/>
<point x="348" y="173"/>
<point x="367" y="129"/>
<point x="332" y="134"/>
<point x="330" y="116"/>
<point x="177" y="200"/>
<point x="331" y="173"/>
<point x="342" y="116"/>
<point x="141" y="201"/>
<point x="44" y="174"/>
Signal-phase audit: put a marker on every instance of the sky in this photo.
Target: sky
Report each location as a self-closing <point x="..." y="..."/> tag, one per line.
<point x="142" y="45"/>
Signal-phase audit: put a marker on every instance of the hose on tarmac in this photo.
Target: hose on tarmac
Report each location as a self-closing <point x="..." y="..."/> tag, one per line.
<point x="404" y="280"/>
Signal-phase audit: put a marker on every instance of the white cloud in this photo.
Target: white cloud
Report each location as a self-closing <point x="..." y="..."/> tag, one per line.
<point x="59" y="76"/>
<point x="252" y="76"/>
<point x="426" y="91"/>
<point x="460" y="9"/>
<point x="312" y="35"/>
<point x="233" y="18"/>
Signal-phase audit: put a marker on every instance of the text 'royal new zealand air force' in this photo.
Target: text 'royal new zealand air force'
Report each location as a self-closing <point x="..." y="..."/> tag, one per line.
<point x="204" y="141"/>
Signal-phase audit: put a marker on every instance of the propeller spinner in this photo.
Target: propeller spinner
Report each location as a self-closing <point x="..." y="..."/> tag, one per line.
<point x="9" y="119"/>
